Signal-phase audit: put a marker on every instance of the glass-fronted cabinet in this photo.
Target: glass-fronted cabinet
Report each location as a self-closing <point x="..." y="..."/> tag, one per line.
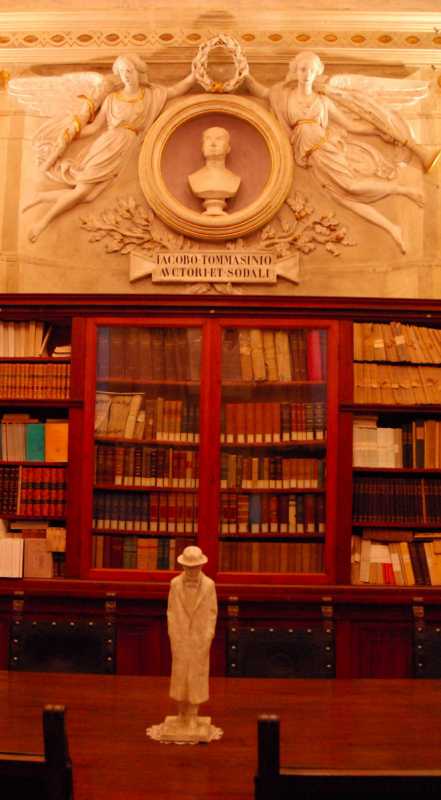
<point x="217" y="433"/>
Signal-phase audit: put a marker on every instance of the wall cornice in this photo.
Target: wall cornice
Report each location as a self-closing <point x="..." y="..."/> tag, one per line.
<point x="268" y="36"/>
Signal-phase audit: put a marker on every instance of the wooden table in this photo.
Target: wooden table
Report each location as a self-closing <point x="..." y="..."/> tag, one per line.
<point x="334" y="723"/>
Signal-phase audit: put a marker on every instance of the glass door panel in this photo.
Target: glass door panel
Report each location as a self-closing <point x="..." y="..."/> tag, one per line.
<point x="146" y="446"/>
<point x="273" y="450"/>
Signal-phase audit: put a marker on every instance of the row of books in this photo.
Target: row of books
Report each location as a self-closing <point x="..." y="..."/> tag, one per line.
<point x="254" y="354"/>
<point x="135" y="416"/>
<point x="257" y="423"/>
<point x="147" y="512"/>
<point x="390" y="385"/>
<point x="23" y="438"/>
<point x="270" y="472"/>
<point x="27" y="338"/>
<point x="397" y="500"/>
<point x="132" y="552"/>
<point x="32" y="552"/>
<point x="413" y="444"/>
<point x="274" y="514"/>
<point x="34" y="381"/>
<point x="396" y="341"/>
<point x="301" y="557"/>
<point x="401" y="563"/>
<point x="142" y="465"/>
<point x="33" y="491"/>
<point x="152" y="354"/>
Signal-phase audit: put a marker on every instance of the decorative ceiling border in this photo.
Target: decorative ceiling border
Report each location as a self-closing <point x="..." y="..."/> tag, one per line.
<point x="74" y="37"/>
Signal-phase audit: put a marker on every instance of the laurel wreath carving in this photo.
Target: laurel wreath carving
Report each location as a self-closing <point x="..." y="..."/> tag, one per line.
<point x="200" y="64"/>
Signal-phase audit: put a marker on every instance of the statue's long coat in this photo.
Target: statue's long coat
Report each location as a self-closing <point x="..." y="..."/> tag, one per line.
<point x="190" y="634"/>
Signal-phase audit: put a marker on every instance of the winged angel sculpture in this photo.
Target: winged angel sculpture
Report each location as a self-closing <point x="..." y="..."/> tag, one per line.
<point x="120" y="107"/>
<point x="320" y="115"/>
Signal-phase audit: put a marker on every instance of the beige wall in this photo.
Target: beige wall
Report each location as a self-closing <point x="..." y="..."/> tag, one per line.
<point x="380" y="38"/>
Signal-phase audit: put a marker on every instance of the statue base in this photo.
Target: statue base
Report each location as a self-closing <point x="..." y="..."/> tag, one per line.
<point x="173" y="731"/>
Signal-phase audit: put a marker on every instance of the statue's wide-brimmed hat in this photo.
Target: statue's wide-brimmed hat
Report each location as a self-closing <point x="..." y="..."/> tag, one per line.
<point x="192" y="556"/>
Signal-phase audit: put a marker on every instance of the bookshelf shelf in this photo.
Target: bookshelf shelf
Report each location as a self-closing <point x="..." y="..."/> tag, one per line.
<point x="319" y="444"/>
<point x="420" y="409"/>
<point x="141" y="534"/>
<point x="139" y="382"/>
<point x="399" y="470"/>
<point x="272" y="384"/>
<point x="405" y="525"/>
<point x="113" y="487"/>
<point x="271" y="490"/>
<point x="33" y="360"/>
<point x="20" y="402"/>
<point x="28" y="517"/>
<point x="162" y="442"/>
<point x="274" y="537"/>
<point x="400" y="363"/>
<point x="34" y="463"/>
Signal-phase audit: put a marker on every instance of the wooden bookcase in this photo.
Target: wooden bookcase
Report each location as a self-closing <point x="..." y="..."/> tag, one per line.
<point x="227" y="422"/>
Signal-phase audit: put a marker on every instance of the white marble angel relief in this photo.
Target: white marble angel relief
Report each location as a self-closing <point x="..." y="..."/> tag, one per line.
<point x="118" y="107"/>
<point x="319" y="116"/>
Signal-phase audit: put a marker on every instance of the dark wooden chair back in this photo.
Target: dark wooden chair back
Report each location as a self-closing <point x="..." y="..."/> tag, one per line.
<point x="274" y="783"/>
<point x="40" y="777"/>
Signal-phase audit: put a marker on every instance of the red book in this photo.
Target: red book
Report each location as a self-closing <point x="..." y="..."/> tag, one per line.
<point x="241" y="412"/>
<point x="313" y="356"/>
<point x="154" y="513"/>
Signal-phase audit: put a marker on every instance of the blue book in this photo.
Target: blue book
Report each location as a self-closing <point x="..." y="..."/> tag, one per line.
<point x="255" y="513"/>
<point x="34" y="441"/>
<point x="162" y="561"/>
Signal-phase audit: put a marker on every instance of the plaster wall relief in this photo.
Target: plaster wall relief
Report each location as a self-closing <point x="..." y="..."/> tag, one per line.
<point x="229" y="176"/>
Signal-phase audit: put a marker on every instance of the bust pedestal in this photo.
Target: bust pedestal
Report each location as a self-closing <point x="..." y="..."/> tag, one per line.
<point x="214" y="187"/>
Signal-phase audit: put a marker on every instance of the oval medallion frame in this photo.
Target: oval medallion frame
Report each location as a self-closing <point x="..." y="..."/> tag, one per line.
<point x="237" y="223"/>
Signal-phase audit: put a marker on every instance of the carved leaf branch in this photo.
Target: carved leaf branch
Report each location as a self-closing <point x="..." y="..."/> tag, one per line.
<point x="297" y="227"/>
<point x="129" y="226"/>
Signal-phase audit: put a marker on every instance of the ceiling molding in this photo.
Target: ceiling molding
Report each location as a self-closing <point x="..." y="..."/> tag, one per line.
<point x="173" y="35"/>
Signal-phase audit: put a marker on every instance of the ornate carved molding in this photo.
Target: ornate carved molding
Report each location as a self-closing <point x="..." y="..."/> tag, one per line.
<point x="63" y="37"/>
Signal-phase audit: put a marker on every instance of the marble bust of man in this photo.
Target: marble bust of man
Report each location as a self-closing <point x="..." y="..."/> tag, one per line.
<point x="214" y="183"/>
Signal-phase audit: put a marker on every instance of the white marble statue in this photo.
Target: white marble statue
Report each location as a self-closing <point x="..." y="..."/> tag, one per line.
<point x="320" y="115"/>
<point x="128" y="104"/>
<point x="214" y="183"/>
<point x="191" y="617"/>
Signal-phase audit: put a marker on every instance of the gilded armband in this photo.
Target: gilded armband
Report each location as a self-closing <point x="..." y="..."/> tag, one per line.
<point x="91" y="104"/>
<point x="68" y="135"/>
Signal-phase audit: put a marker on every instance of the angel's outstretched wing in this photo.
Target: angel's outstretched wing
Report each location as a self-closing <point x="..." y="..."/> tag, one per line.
<point x="57" y="95"/>
<point x="393" y="92"/>
<point x="378" y="101"/>
<point x="70" y="101"/>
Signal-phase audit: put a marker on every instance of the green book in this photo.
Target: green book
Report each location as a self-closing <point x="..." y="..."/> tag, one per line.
<point x="130" y="552"/>
<point x="34" y="441"/>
